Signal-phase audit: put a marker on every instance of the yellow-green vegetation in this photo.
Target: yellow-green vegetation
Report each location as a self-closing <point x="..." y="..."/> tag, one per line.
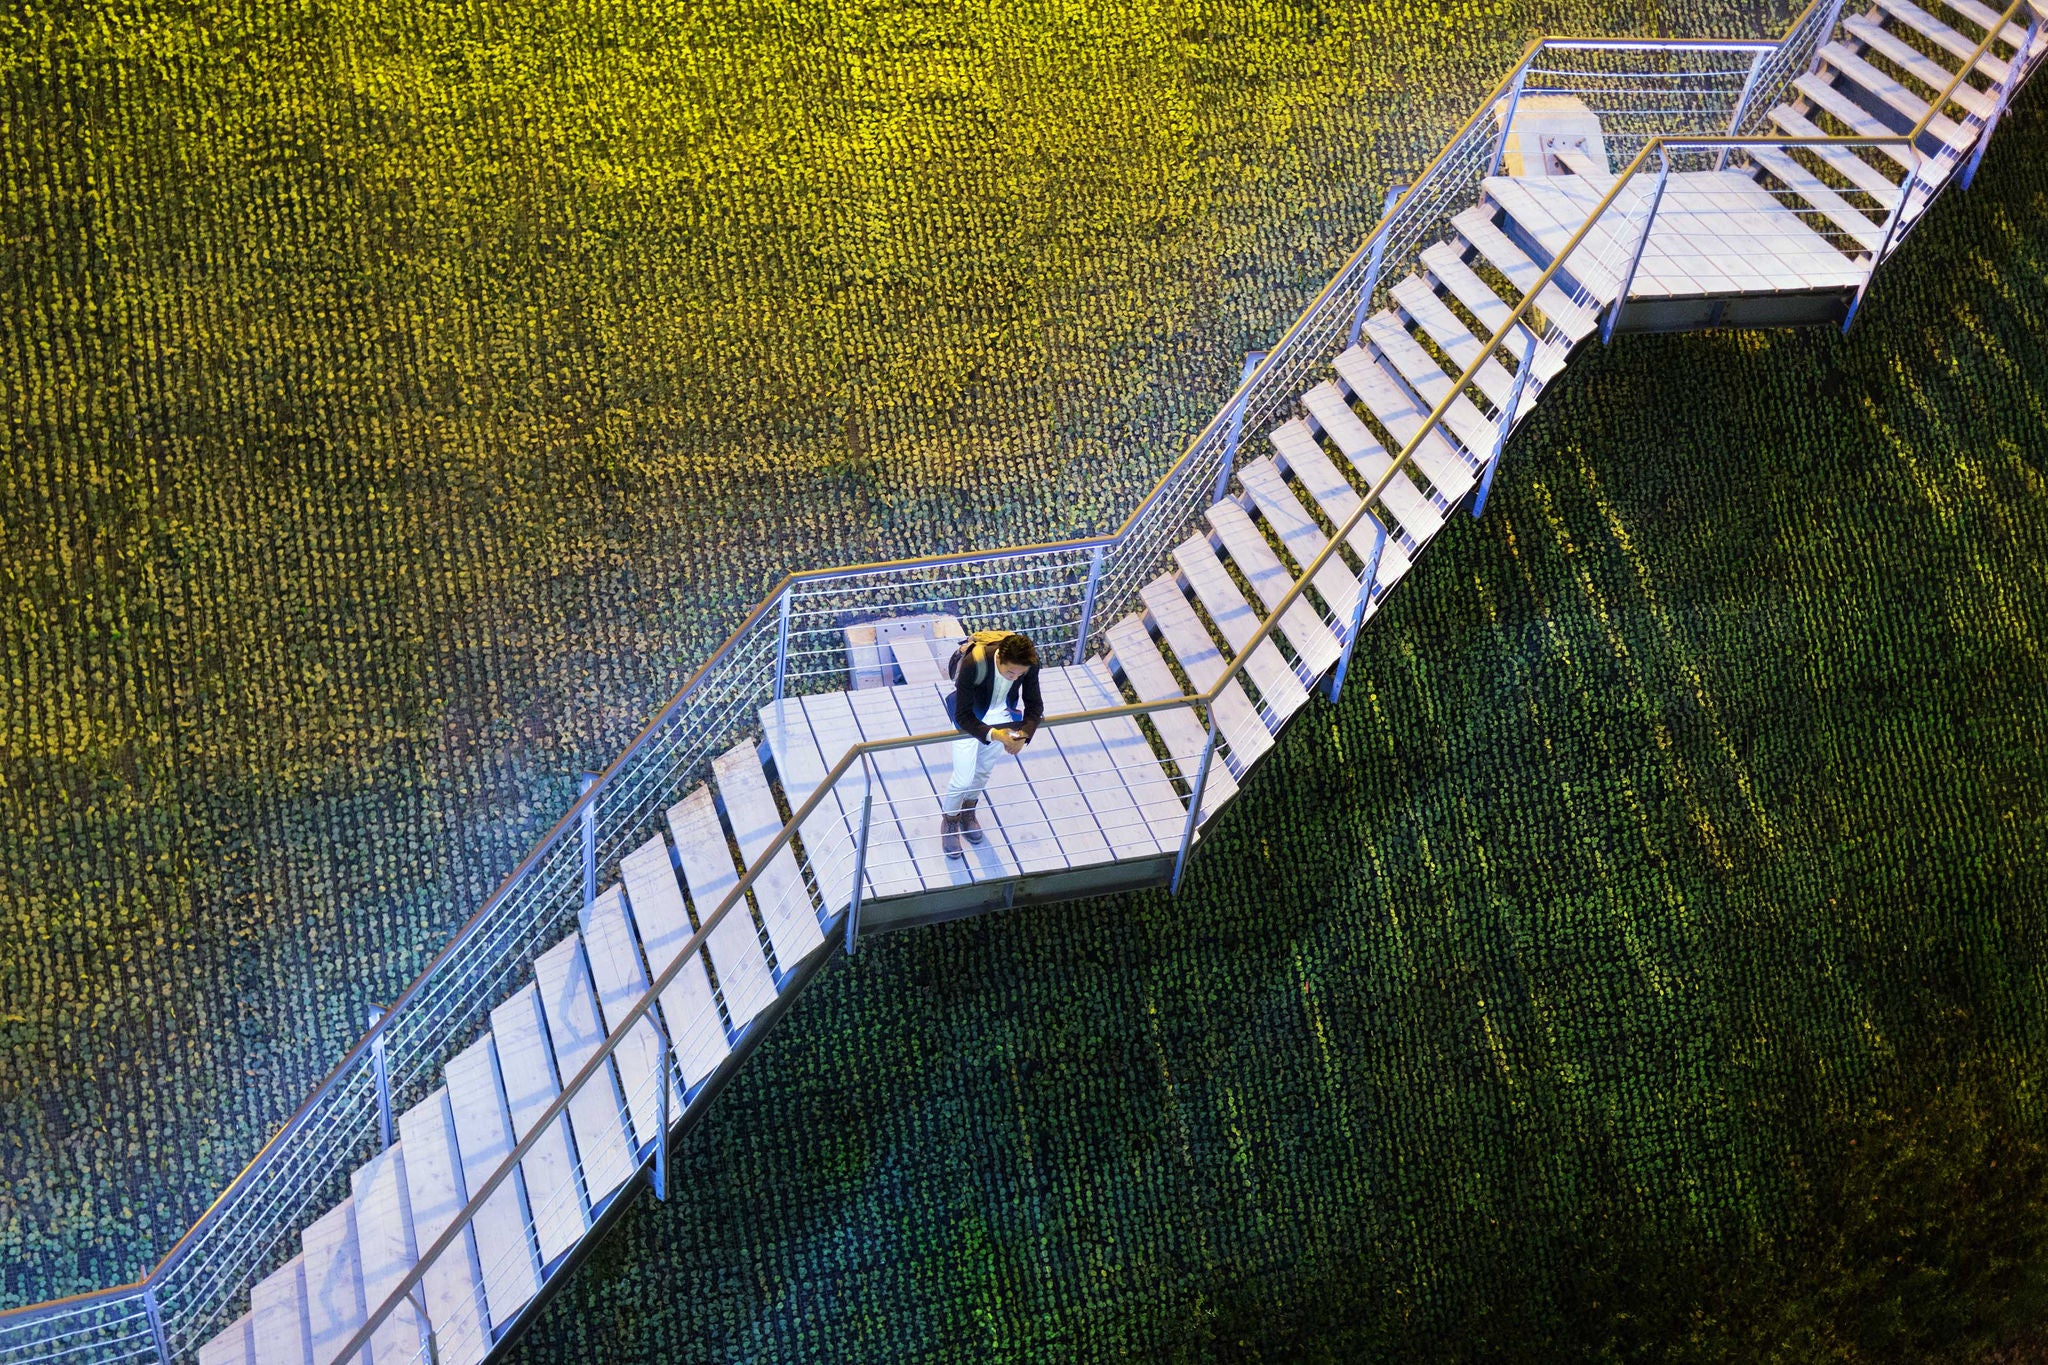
<point x="401" y="399"/>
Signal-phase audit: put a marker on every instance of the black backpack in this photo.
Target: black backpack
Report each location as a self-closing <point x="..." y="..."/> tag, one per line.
<point x="981" y="645"/>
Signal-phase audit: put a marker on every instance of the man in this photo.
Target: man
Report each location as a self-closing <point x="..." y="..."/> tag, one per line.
<point x="994" y="674"/>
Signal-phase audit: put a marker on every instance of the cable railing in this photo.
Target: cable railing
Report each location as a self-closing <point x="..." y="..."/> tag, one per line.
<point x="1666" y="101"/>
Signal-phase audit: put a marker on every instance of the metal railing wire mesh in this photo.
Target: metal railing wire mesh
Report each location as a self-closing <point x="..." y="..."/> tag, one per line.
<point x="1662" y="104"/>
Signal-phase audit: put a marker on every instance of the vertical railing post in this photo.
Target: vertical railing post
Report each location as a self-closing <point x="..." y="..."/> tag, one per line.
<point x="382" y="1076"/>
<point x="1251" y="364"/>
<point x="156" y="1324"/>
<point x="1087" y="607"/>
<point x="1507" y="422"/>
<point x="1187" y="830"/>
<point x="860" y="854"/>
<point x="1891" y="228"/>
<point x="782" y="642"/>
<point x="1373" y="262"/>
<point x="2005" y="89"/>
<point x="1507" y="123"/>
<point x="661" y="1128"/>
<point x="1827" y="26"/>
<point x="589" y="833"/>
<point x="1756" y="66"/>
<point x="1628" y="280"/>
<point x="1367" y="581"/>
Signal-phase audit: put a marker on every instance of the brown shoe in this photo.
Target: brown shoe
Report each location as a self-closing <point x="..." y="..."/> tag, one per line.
<point x="949" y="835"/>
<point x="969" y="825"/>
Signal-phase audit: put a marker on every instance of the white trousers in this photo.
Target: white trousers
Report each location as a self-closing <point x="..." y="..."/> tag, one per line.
<point x="973" y="761"/>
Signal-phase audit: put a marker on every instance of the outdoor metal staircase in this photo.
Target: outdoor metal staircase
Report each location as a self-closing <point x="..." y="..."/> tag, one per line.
<point x="552" y="1054"/>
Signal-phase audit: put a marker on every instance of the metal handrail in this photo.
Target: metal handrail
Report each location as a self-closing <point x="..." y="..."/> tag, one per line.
<point x="791" y="581"/>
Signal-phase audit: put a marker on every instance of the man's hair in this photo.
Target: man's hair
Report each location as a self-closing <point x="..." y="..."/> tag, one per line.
<point x="1017" y="649"/>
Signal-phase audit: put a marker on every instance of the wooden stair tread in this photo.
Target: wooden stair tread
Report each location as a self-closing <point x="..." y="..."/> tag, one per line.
<point x="278" y="1315"/>
<point x="1185" y="736"/>
<point x="1296" y="529"/>
<point x="526" y="1067"/>
<point x="1270" y="579"/>
<point x="236" y="1345"/>
<point x="385" y="1250"/>
<point x="1441" y="462"/>
<point x="787" y="907"/>
<point x="1238" y="722"/>
<point x="1390" y="337"/>
<point x="1427" y="310"/>
<point x="1567" y="314"/>
<point x="1883" y="190"/>
<point x="1917" y="64"/>
<point x="744" y="979"/>
<point x="662" y="923"/>
<point x="605" y="1151"/>
<point x="483" y="1137"/>
<point x="334" y="1281"/>
<point x="1152" y="793"/>
<point x="621" y="979"/>
<point x="1269" y="671"/>
<point x="1852" y="115"/>
<point x="1986" y="18"/>
<point x="1909" y="105"/>
<point x="1815" y="192"/>
<point x="1448" y="269"/>
<point x="435" y="1193"/>
<point x="1338" y="499"/>
<point x="1944" y="36"/>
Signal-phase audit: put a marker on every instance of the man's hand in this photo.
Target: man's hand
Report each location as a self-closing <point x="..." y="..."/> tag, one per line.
<point x="1012" y="741"/>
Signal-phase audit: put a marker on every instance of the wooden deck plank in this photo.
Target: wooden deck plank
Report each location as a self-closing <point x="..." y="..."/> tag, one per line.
<point x="1019" y="837"/>
<point x="1246" y="544"/>
<point x="483" y="1134"/>
<point x="334" y="1281"/>
<point x="1576" y="320"/>
<point x="1153" y="796"/>
<point x="907" y="796"/>
<point x="1883" y="190"/>
<point x="1118" y="820"/>
<point x="621" y="979"/>
<point x="234" y="1346"/>
<point x="526" y="1066"/>
<point x="892" y="867"/>
<point x="605" y="1151"/>
<point x="827" y="833"/>
<point x="1278" y="683"/>
<point x="1909" y="105"/>
<point x="1917" y="64"/>
<point x="386" y="1250"/>
<point x="435" y="1193"/>
<point x="1424" y="375"/>
<point x="787" y="906"/>
<point x="278" y="1313"/>
<point x="1242" y="728"/>
<point x="662" y="922"/>
<point x="1050" y="781"/>
<point x="1441" y="462"/>
<point x="1816" y="192"/>
<point x="1415" y="517"/>
<point x="1184" y="734"/>
<point x="1944" y="36"/>
<point x="745" y="981"/>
